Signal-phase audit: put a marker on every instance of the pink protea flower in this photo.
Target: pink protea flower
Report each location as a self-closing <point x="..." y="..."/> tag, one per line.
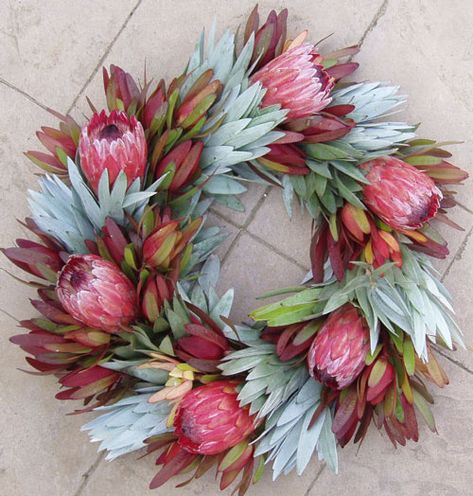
<point x="115" y="142"/>
<point x="399" y="194"/>
<point x="209" y="419"/>
<point x="295" y="81"/>
<point x="337" y="354"/>
<point x="95" y="292"/>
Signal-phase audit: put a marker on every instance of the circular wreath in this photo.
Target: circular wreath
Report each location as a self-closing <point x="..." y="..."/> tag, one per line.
<point x="131" y="323"/>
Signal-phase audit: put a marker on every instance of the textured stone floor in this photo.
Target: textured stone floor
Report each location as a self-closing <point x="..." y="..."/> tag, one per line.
<point x="51" y="54"/>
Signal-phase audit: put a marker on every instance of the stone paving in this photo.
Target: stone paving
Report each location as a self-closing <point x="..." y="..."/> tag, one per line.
<point x="51" y="56"/>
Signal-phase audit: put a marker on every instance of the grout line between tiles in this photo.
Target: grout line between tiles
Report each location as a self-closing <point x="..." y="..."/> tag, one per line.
<point x="454" y="361"/>
<point x="23" y="93"/>
<point x="9" y="315"/>
<point x="316" y="478"/>
<point x="276" y="250"/>
<point x="88" y="474"/>
<point x="379" y="14"/>
<point x="458" y="254"/>
<point x="242" y="228"/>
<point x="104" y="56"/>
<point x="464" y="207"/>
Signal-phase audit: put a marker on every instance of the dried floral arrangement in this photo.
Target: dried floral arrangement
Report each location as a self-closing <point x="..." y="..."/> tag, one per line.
<point x="124" y="266"/>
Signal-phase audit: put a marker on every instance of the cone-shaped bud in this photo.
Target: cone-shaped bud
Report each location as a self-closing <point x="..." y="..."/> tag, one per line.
<point x="337" y="354"/>
<point x="121" y="90"/>
<point x="285" y="158"/>
<point x="296" y="82"/>
<point x="399" y="194"/>
<point x="115" y="142"/>
<point x="95" y="292"/>
<point x="166" y="243"/>
<point x="113" y="240"/>
<point x="202" y="346"/>
<point x="322" y="127"/>
<point x="291" y="340"/>
<point x="35" y="258"/>
<point x="87" y="383"/>
<point x="380" y="377"/>
<point x="184" y="159"/>
<point x="60" y="143"/>
<point x="356" y="221"/>
<point x="196" y="104"/>
<point x="157" y="290"/>
<point x="269" y="38"/>
<point x="155" y="108"/>
<point x="209" y="419"/>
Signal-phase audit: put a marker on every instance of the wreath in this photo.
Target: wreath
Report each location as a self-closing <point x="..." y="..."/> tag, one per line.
<point x="125" y="271"/>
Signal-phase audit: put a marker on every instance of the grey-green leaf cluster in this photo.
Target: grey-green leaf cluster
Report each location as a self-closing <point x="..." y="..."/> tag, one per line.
<point x="124" y="426"/>
<point x="241" y="129"/>
<point x="269" y="382"/>
<point x="291" y="438"/>
<point x="334" y="174"/>
<point x="74" y="214"/>
<point x="372" y="101"/>
<point x="409" y="299"/>
<point x="330" y="182"/>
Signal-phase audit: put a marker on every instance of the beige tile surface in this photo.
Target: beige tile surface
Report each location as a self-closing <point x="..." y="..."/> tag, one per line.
<point x="291" y="236"/>
<point x="427" y="48"/>
<point x="437" y="465"/>
<point x="458" y="280"/>
<point x="135" y="477"/>
<point x="50" y="50"/>
<point x="251" y="200"/>
<point x="252" y="268"/>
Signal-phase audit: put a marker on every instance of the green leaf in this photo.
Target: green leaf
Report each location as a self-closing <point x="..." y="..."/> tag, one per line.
<point x="233" y="455"/>
<point x="423" y="160"/>
<point x="348" y="195"/>
<point x="129" y="255"/>
<point x="322" y="151"/>
<point x="425" y="410"/>
<point x="259" y="469"/>
<point x="320" y="168"/>
<point x="166" y="346"/>
<point x="171" y="105"/>
<point x="351" y="170"/>
<point x="329" y="202"/>
<point x="223" y="185"/>
<point x="408" y="355"/>
<point x="371" y="357"/>
<point x="377" y="373"/>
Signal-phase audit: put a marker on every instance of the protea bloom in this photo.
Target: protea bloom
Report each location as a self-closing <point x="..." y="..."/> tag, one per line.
<point x="209" y="419"/>
<point x="96" y="293"/>
<point x="115" y="142"/>
<point x="399" y="194"/>
<point x="295" y="81"/>
<point x="337" y="354"/>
